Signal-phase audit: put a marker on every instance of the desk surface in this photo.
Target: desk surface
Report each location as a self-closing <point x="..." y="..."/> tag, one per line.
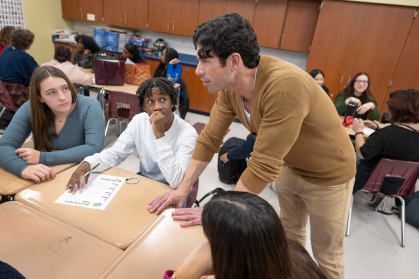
<point x="11" y="184"/>
<point x="127" y="88"/>
<point x="124" y="219"/>
<point x="163" y="246"/>
<point x="39" y="246"/>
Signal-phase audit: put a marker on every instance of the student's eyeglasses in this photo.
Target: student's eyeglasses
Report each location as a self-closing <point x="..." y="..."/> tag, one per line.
<point x="361" y="81"/>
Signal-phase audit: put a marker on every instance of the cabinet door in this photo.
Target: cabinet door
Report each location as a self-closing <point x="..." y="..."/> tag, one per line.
<point x="268" y="22"/>
<point x="299" y="25"/>
<point x="199" y="97"/>
<point x="209" y="9"/>
<point x="71" y="9"/>
<point x="182" y="24"/>
<point x="160" y="15"/>
<point x="113" y="12"/>
<point x="379" y="46"/>
<point x="91" y="10"/>
<point x="136" y="12"/>
<point x="406" y="74"/>
<point x="337" y="30"/>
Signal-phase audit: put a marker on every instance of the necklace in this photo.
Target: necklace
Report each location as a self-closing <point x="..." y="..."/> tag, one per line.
<point x="61" y="120"/>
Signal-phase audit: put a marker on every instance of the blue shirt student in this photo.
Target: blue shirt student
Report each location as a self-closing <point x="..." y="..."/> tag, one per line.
<point x="242" y="151"/>
<point x="16" y="66"/>
<point x="174" y="72"/>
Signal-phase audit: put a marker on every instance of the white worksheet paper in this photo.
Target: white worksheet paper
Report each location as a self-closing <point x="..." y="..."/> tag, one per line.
<point x="100" y="190"/>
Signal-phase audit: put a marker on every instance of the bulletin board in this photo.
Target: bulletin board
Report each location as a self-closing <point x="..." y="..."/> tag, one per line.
<point x="11" y="14"/>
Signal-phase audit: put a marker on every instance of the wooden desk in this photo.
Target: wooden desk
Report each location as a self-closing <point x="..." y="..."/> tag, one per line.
<point x="163" y="246"/>
<point x="39" y="246"/>
<point x="349" y="128"/>
<point x="10" y="183"/>
<point x="125" y="218"/>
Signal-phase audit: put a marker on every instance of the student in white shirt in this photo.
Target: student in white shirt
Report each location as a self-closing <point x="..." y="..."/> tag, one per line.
<point x="164" y="141"/>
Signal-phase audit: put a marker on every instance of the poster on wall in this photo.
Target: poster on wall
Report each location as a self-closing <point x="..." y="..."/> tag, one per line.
<point x="11" y="14"/>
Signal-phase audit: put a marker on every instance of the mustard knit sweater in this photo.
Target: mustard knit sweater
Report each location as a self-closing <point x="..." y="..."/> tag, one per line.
<point x="294" y="123"/>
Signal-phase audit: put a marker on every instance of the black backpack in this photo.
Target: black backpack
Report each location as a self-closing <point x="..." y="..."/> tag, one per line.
<point x="230" y="173"/>
<point x="412" y="210"/>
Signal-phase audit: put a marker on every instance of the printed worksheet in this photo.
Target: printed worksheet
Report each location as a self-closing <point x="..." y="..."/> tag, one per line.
<point x="100" y="190"/>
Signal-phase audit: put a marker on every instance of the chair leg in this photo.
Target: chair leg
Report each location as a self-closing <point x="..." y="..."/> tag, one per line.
<point x="2" y="111"/>
<point x="348" y="224"/>
<point x="402" y="217"/>
<point x="384" y="204"/>
<point x="380" y="205"/>
<point x="30" y="136"/>
<point x="107" y="125"/>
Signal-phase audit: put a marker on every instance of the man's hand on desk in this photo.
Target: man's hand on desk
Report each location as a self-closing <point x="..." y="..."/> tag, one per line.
<point x="30" y="155"/>
<point x="38" y="173"/>
<point x="75" y="180"/>
<point x="193" y="215"/>
<point x="175" y="197"/>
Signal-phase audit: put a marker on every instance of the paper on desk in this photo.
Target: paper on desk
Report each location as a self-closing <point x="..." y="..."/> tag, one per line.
<point x="367" y="131"/>
<point x="100" y="190"/>
<point x="129" y="62"/>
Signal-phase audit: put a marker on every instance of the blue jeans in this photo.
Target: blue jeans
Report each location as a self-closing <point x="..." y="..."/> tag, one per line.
<point x="357" y="159"/>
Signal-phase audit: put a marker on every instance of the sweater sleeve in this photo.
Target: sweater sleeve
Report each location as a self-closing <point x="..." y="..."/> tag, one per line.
<point x="174" y="72"/>
<point x="94" y="138"/>
<point x="13" y="138"/>
<point x="77" y="76"/>
<point x="375" y="113"/>
<point x="242" y="151"/>
<point x="86" y="61"/>
<point x="340" y="104"/>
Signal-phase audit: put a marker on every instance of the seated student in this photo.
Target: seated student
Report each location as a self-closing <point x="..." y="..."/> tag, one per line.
<point x="164" y="142"/>
<point x="241" y="151"/>
<point x="61" y="61"/>
<point x="245" y="239"/>
<point x="132" y="53"/>
<point x="6" y="37"/>
<point x="16" y="68"/>
<point x="86" y="52"/>
<point x="318" y="76"/>
<point x="358" y="91"/>
<point x="399" y="141"/>
<point x="59" y="119"/>
<point x="169" y="65"/>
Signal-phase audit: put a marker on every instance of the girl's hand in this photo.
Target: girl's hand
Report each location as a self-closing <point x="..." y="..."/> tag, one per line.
<point x="197" y="264"/>
<point x="38" y="173"/>
<point x="365" y="108"/>
<point x="30" y="155"/>
<point x="358" y="125"/>
<point x="174" y="61"/>
<point x="352" y="99"/>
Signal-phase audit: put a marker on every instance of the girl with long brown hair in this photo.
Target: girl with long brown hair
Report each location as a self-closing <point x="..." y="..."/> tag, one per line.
<point x="245" y="239"/>
<point x="59" y="120"/>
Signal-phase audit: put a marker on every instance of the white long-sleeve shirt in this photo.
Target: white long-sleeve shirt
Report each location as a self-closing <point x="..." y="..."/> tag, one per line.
<point x="164" y="160"/>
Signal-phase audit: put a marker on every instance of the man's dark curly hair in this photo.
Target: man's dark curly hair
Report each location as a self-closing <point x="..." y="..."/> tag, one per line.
<point x="166" y="87"/>
<point x="227" y="34"/>
<point x="22" y="38"/>
<point x="88" y="43"/>
<point x="6" y="35"/>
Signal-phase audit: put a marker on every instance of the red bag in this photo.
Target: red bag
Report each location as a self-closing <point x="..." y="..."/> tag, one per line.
<point x="137" y="74"/>
<point x="109" y="72"/>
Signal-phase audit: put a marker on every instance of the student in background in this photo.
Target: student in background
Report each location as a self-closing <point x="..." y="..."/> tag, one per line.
<point x="6" y="37"/>
<point x="132" y="53"/>
<point x="163" y="141"/>
<point x="61" y="61"/>
<point x="59" y="120"/>
<point x="169" y="66"/>
<point x="319" y="78"/>
<point x="358" y="91"/>
<point x="239" y="152"/>
<point x="87" y="50"/>
<point x="245" y="239"/>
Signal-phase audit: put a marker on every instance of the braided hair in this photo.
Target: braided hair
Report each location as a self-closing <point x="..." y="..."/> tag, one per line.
<point x="161" y="70"/>
<point x="166" y="87"/>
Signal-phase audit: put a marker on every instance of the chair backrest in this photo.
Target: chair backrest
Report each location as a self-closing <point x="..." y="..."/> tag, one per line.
<point x="123" y="105"/>
<point x="193" y="194"/>
<point x="409" y="171"/>
<point x="6" y="99"/>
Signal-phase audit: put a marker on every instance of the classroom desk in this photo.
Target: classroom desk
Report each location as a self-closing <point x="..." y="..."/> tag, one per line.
<point x="40" y="246"/>
<point x="163" y="246"/>
<point x="125" y="218"/>
<point x="10" y="183"/>
<point x="349" y="128"/>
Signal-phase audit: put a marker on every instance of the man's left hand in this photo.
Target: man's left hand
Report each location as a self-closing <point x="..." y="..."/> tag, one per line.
<point x="157" y="123"/>
<point x="193" y="215"/>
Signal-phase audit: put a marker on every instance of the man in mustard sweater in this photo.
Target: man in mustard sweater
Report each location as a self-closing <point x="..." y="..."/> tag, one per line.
<point x="300" y="141"/>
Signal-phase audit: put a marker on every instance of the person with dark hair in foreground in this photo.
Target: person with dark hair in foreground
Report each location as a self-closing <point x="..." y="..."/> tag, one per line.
<point x="297" y="132"/>
<point x="62" y="60"/>
<point x="86" y="52"/>
<point x="132" y="53"/>
<point x="245" y="239"/>
<point x="164" y="142"/>
<point x="319" y="78"/>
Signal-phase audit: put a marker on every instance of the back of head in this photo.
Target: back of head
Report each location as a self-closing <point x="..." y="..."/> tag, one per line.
<point x="6" y="36"/>
<point x="315" y="72"/>
<point x="22" y="38"/>
<point x="246" y="237"/>
<point x="88" y="42"/>
<point x="62" y="54"/>
<point x="227" y="34"/>
<point x="171" y="54"/>
<point x="404" y="106"/>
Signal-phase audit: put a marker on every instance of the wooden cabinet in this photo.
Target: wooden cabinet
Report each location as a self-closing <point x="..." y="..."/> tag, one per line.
<point x="178" y="17"/>
<point x="91" y="10"/>
<point x="71" y="9"/>
<point x="209" y="9"/>
<point x="153" y="65"/>
<point x="268" y="22"/>
<point x="199" y="97"/>
<point x="299" y="25"/>
<point x="72" y="48"/>
<point x="126" y="13"/>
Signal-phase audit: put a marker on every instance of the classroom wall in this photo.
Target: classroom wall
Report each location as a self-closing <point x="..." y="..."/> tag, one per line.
<point x="42" y="17"/>
<point x="414" y="3"/>
<point x="185" y="45"/>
